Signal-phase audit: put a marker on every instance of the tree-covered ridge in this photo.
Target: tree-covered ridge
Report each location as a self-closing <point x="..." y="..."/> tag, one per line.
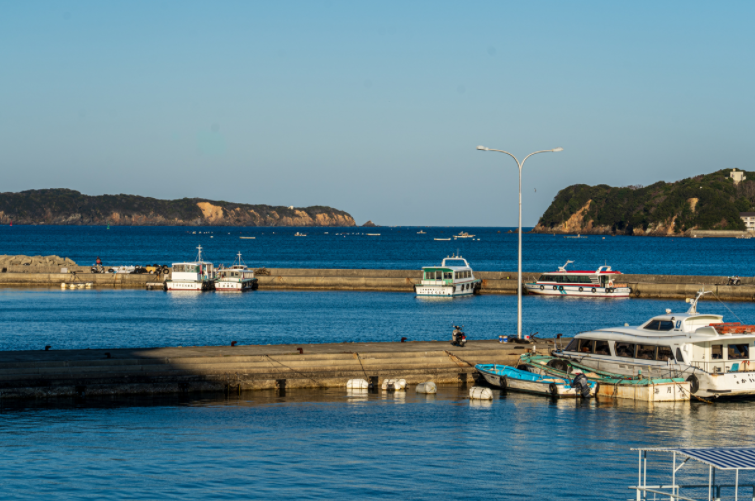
<point x="706" y="202"/>
<point x="64" y="206"/>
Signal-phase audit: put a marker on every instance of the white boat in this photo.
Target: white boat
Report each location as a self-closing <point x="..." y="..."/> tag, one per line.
<point x="598" y="283"/>
<point x="444" y="239"/>
<point x="714" y="357"/>
<point x="237" y="278"/>
<point x="463" y="234"/>
<point x="420" y="232"/>
<point x="454" y="277"/>
<point x="196" y="275"/>
<point x="297" y="234"/>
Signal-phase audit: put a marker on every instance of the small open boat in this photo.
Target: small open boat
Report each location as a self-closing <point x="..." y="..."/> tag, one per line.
<point x="509" y="378"/>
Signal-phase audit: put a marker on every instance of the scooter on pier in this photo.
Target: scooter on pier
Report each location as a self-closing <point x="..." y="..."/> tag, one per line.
<point x="458" y="338"/>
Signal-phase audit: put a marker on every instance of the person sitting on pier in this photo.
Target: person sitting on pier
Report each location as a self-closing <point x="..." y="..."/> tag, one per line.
<point x="99" y="261"/>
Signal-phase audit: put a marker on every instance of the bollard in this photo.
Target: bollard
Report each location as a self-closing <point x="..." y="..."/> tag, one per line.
<point x="233" y="343"/>
<point x="301" y="351"/>
<point x="47" y="348"/>
<point x="403" y="340"/>
<point x="107" y="354"/>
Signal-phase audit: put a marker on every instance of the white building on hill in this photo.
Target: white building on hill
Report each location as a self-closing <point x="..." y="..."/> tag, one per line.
<point x="749" y="219"/>
<point x="737" y="175"/>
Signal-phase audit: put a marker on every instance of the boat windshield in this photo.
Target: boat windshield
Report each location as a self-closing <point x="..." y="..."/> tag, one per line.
<point x="659" y="325"/>
<point x="454" y="262"/>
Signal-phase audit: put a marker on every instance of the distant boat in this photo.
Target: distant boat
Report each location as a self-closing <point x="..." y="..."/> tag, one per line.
<point x="373" y="234"/>
<point x="441" y="239"/>
<point x="578" y="236"/>
<point x="247" y="238"/>
<point x="420" y="232"/>
<point x="297" y="234"/>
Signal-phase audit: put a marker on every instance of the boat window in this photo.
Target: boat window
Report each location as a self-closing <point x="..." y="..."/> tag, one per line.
<point x="646" y="352"/>
<point x="738" y="351"/>
<point x="573" y="345"/>
<point x="625" y="350"/>
<point x="586" y="346"/>
<point x="664" y="354"/>
<point x="448" y="276"/>
<point x="545" y="278"/>
<point x="659" y="325"/>
<point x="717" y="352"/>
<point x="679" y="357"/>
<point x="601" y="348"/>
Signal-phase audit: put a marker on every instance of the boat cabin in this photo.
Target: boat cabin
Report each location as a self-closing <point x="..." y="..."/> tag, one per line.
<point x="235" y="272"/>
<point x="193" y="272"/>
<point x="451" y="270"/>
<point x="602" y="277"/>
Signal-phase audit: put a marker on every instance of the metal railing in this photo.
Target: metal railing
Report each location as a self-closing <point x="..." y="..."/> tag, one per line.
<point x="675" y="493"/>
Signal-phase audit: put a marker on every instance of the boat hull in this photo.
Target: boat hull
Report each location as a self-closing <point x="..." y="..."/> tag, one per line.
<point x="574" y="290"/>
<point x="188" y="286"/>
<point x="553" y="387"/>
<point x="247" y="285"/>
<point x="442" y="291"/>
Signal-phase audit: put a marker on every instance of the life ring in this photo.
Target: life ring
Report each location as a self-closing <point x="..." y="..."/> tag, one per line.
<point x="580" y="289"/>
<point x="593" y="289"/>
<point x="542" y="287"/>
<point x="554" y="287"/>
<point x="560" y="287"/>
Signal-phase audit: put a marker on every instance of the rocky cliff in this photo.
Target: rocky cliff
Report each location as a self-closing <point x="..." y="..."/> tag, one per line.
<point x="63" y="207"/>
<point x="705" y="202"/>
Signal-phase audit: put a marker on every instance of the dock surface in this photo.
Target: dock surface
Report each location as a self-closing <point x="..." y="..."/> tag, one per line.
<point x="65" y="373"/>
<point x="493" y="282"/>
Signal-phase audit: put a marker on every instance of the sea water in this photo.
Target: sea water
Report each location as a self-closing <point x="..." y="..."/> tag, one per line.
<point x="492" y="249"/>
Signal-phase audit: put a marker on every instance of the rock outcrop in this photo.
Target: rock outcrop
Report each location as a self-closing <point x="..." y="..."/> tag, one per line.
<point x="68" y="207"/>
<point x="705" y="202"/>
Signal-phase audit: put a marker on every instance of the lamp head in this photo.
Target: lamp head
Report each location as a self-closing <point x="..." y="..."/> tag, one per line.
<point x="482" y="148"/>
<point x="558" y="149"/>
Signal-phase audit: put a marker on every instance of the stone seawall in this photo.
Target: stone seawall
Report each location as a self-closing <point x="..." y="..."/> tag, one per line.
<point x="71" y="373"/>
<point x="493" y="282"/>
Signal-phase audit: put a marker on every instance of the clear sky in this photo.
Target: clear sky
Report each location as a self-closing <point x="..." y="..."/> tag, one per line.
<point x="372" y="107"/>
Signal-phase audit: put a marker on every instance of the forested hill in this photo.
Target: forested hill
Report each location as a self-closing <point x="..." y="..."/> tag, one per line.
<point x="705" y="202"/>
<point x="62" y="206"/>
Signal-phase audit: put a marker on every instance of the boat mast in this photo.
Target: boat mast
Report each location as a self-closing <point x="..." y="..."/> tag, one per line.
<point x="199" y="256"/>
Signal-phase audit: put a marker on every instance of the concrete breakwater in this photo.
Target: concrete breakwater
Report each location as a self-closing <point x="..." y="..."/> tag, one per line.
<point x="65" y="373"/>
<point x="493" y="282"/>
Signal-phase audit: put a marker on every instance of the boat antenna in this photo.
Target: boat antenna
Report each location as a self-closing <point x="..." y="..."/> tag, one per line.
<point x="693" y="306"/>
<point x="199" y="255"/>
<point x="563" y="268"/>
<point x="240" y="261"/>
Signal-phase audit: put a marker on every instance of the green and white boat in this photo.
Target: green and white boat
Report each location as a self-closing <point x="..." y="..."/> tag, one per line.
<point x="454" y="277"/>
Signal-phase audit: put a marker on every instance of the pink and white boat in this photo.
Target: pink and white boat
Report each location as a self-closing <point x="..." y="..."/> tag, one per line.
<point x="602" y="282"/>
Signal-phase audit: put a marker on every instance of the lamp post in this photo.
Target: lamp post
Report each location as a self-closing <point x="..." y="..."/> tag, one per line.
<point x="519" y="274"/>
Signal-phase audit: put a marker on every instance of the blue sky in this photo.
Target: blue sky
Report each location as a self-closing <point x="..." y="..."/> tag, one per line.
<point x="372" y="107"/>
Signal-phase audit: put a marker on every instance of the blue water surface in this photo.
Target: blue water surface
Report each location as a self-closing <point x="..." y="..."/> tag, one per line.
<point x="394" y="248"/>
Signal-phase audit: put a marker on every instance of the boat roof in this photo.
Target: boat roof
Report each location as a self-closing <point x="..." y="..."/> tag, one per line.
<point x="584" y="272"/>
<point x="723" y="458"/>
<point x="192" y="262"/>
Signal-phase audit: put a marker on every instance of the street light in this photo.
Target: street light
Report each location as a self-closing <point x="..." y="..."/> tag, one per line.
<point x="519" y="274"/>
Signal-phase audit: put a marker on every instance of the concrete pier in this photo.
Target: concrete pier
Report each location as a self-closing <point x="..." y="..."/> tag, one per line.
<point x="65" y="373"/>
<point x="493" y="282"/>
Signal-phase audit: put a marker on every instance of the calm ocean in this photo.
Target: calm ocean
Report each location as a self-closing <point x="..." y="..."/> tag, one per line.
<point x="326" y="444"/>
<point x="394" y="248"/>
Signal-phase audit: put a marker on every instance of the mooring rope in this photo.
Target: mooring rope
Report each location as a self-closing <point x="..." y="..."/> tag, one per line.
<point x="293" y="370"/>
<point x="361" y="365"/>
<point x="456" y="359"/>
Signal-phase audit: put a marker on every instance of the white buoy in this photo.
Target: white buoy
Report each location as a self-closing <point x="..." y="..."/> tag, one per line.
<point x="394" y="384"/>
<point x="357" y="384"/>
<point x="89" y="285"/>
<point x="62" y="285"/>
<point x="428" y="387"/>
<point x="480" y="393"/>
<point x="71" y="286"/>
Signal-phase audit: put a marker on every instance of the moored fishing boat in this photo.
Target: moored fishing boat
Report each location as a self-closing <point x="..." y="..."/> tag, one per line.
<point x="716" y="358"/>
<point x="510" y="378"/>
<point x="454" y="277"/>
<point x="237" y="278"/>
<point x="197" y="275"/>
<point x="598" y="283"/>
<point x="636" y="387"/>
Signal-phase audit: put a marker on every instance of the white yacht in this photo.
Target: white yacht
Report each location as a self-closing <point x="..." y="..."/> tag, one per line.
<point x="715" y="357"/>
<point x="454" y="277"/>
<point x="196" y="275"/>
<point x="602" y="282"/>
<point x="236" y="278"/>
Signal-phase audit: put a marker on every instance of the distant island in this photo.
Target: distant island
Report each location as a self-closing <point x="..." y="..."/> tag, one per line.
<point x="705" y="202"/>
<point x="68" y="207"/>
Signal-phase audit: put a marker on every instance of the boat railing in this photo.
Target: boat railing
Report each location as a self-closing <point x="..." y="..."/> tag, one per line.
<point x="724" y="366"/>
